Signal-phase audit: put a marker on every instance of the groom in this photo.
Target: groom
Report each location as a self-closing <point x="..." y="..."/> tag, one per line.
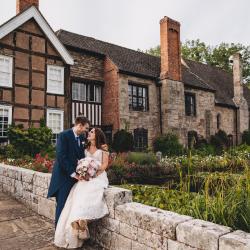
<point x="69" y="149"/>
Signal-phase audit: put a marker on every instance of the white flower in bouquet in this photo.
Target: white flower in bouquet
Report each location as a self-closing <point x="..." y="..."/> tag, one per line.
<point x="87" y="167"/>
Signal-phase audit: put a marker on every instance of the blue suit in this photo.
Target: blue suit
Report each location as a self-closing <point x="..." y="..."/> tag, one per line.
<point x="68" y="152"/>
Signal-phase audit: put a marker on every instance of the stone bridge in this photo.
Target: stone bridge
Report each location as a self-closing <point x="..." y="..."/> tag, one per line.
<point x="129" y="225"/>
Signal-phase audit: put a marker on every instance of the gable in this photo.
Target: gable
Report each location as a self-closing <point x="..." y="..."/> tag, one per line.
<point x="33" y="13"/>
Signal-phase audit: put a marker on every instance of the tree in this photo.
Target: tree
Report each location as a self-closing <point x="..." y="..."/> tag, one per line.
<point x="213" y="55"/>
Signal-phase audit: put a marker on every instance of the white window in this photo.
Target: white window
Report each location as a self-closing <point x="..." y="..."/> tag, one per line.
<point x="79" y="91"/>
<point x="6" y="63"/>
<point x="55" y="122"/>
<point x="94" y="93"/>
<point x="55" y="80"/>
<point x="5" y="120"/>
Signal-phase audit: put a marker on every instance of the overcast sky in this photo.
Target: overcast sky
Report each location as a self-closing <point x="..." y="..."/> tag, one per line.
<point x="135" y="23"/>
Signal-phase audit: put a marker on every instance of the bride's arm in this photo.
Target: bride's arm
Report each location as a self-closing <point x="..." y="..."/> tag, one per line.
<point x="105" y="161"/>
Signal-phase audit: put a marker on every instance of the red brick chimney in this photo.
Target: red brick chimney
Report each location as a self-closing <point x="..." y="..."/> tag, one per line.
<point x="22" y="5"/>
<point x="170" y="49"/>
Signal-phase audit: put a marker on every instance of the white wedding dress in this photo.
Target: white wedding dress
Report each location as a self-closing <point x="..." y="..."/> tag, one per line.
<point x="85" y="201"/>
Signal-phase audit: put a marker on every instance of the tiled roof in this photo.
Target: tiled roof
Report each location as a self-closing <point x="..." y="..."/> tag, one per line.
<point x="194" y="74"/>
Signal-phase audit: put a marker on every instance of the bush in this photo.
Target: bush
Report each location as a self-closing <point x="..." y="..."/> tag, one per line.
<point x="123" y="141"/>
<point x="30" y="141"/>
<point x="141" y="158"/>
<point x="246" y="137"/>
<point x="220" y="141"/>
<point x="168" y="144"/>
<point x="9" y="151"/>
<point x="204" y="150"/>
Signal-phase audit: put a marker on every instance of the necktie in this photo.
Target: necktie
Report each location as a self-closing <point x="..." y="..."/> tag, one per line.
<point x="78" y="140"/>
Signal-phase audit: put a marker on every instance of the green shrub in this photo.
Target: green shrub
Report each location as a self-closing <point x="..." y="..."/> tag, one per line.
<point x="30" y="141"/>
<point x="123" y="141"/>
<point x="168" y="144"/>
<point x="142" y="158"/>
<point x="246" y="137"/>
<point x="220" y="141"/>
<point x="9" y="151"/>
<point x="204" y="150"/>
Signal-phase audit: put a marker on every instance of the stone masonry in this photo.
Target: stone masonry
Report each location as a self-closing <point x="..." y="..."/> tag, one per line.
<point x="129" y="225"/>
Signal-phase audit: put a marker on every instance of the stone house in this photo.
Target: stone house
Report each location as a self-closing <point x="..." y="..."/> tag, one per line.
<point x="58" y="76"/>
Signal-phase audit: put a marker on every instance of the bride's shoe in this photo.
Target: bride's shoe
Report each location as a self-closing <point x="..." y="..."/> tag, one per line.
<point x="82" y="224"/>
<point x="84" y="234"/>
<point x="75" y="225"/>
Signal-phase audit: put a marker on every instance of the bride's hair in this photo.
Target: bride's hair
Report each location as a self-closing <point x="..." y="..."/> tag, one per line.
<point x="100" y="140"/>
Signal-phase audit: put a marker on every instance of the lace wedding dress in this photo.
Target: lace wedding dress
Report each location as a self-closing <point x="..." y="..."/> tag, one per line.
<point x="85" y="201"/>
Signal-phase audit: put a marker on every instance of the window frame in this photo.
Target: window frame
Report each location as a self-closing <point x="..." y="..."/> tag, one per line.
<point x="10" y="84"/>
<point x="79" y="83"/>
<point x="218" y="121"/>
<point x="140" y="132"/>
<point x="55" y="111"/>
<point x="137" y="96"/>
<point x="88" y="93"/>
<point x="49" y="89"/>
<point x="88" y="84"/>
<point x="9" y="115"/>
<point x="190" y="94"/>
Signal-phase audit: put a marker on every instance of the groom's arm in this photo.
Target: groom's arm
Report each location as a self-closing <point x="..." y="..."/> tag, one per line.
<point x="61" y="154"/>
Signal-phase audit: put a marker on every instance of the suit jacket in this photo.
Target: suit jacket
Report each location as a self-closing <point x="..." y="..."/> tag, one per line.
<point x="67" y="154"/>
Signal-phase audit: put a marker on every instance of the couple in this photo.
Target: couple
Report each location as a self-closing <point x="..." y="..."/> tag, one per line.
<point x="78" y="200"/>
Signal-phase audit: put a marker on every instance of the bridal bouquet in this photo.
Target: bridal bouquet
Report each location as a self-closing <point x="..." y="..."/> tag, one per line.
<point x="87" y="167"/>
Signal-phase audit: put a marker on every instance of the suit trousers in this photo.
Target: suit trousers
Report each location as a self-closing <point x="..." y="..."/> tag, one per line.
<point x="61" y="197"/>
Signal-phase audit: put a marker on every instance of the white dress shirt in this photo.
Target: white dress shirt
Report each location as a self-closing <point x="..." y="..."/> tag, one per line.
<point x="74" y="174"/>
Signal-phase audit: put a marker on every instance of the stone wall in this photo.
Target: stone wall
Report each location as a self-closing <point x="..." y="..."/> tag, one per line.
<point x="130" y="225"/>
<point x="150" y="119"/>
<point x="202" y="123"/>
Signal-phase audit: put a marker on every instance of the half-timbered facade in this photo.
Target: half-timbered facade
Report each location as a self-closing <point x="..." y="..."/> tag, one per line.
<point x="34" y="73"/>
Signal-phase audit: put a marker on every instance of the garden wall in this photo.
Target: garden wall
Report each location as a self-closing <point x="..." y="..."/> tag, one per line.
<point x="130" y="225"/>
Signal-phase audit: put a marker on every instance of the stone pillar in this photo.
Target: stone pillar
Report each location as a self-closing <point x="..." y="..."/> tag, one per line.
<point x="239" y="100"/>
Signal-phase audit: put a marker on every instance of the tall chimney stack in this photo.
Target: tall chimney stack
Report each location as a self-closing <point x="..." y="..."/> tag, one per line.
<point x="22" y="5"/>
<point x="170" y="49"/>
<point x="237" y="77"/>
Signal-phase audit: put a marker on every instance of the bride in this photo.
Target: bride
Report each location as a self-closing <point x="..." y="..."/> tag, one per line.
<point x="85" y="201"/>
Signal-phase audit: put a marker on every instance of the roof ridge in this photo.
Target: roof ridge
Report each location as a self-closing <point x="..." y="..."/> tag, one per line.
<point x="62" y="30"/>
<point x="209" y="65"/>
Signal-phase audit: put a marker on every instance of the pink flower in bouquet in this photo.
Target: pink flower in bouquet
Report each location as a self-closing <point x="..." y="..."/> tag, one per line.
<point x="87" y="167"/>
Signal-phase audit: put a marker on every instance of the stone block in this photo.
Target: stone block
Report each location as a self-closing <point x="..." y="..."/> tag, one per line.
<point x="237" y="240"/>
<point x="46" y="208"/>
<point x="149" y="218"/>
<point x="200" y="234"/>
<point x="115" y="196"/>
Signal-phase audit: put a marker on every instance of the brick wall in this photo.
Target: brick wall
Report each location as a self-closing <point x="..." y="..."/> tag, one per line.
<point x="111" y="95"/>
<point x="87" y="66"/>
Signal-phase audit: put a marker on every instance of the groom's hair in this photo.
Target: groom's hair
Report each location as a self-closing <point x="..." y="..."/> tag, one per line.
<point x="82" y="119"/>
